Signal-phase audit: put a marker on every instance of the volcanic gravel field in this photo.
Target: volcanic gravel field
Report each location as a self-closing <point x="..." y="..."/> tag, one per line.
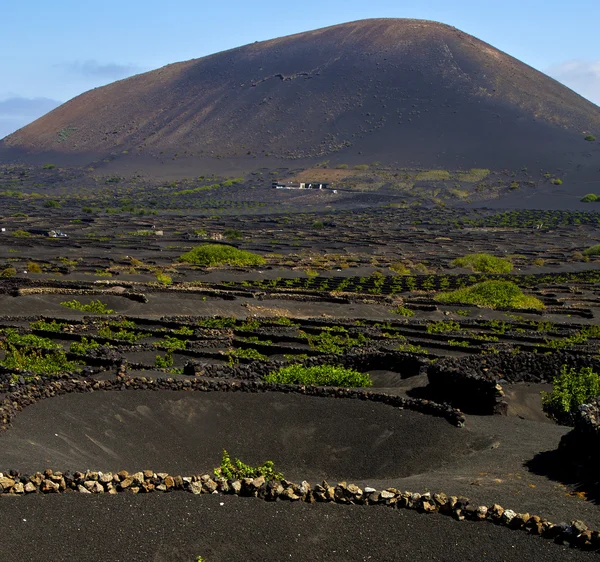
<point x="170" y="373"/>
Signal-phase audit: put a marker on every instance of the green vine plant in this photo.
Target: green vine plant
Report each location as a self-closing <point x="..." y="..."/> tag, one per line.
<point x="235" y="469"/>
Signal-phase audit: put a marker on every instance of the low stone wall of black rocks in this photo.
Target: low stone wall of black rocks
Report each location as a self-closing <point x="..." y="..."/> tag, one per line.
<point x="582" y="444"/>
<point x="406" y="364"/>
<point x="575" y="533"/>
<point x="474" y="383"/>
<point x="26" y="393"/>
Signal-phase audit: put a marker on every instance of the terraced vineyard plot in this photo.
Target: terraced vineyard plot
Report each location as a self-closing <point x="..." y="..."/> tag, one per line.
<point x="139" y="320"/>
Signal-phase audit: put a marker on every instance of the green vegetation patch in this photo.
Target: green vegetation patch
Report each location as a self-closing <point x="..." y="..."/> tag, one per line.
<point x="212" y="255"/>
<point x="570" y="389"/>
<point x="235" y="469"/>
<point x="474" y="175"/>
<point x="483" y="263"/>
<point x="592" y="251"/>
<point x="433" y="175"/>
<point x="29" y="340"/>
<point x="491" y="294"/>
<point x="38" y="362"/>
<point x="320" y="375"/>
<point x="95" y="306"/>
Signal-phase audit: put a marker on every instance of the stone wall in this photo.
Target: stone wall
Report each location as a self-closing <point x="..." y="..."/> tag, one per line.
<point x="575" y="533"/>
<point x="474" y="383"/>
<point x="25" y="393"/>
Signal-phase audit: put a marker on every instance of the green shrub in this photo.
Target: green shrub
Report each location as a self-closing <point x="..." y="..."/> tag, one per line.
<point x="592" y="251"/>
<point x="29" y="340"/>
<point x="483" y="263"/>
<point x="491" y="294"/>
<point x="557" y="181"/>
<point x="52" y="326"/>
<point x="37" y="362"/>
<point x="570" y="389"/>
<point x="335" y="341"/>
<point x="589" y="198"/>
<point x="165" y="362"/>
<point x="164" y="278"/>
<point x="34" y="267"/>
<point x="171" y="344"/>
<point x="247" y="353"/>
<point x="590" y="138"/>
<point x="8" y="272"/>
<point x="320" y="375"/>
<point x="443" y="327"/>
<point x="126" y="335"/>
<point x="211" y="255"/>
<point x="235" y="469"/>
<point x="95" y="306"/>
<point x="361" y="167"/>
<point x="21" y="234"/>
<point x="233" y="234"/>
<point x="403" y="311"/>
<point x="83" y="346"/>
<point x="52" y="204"/>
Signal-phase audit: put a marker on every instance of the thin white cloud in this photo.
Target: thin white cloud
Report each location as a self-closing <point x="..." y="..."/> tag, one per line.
<point x="581" y="76"/>
<point x="105" y="71"/>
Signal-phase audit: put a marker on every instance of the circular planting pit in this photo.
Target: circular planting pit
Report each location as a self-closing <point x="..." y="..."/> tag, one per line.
<point x="185" y="432"/>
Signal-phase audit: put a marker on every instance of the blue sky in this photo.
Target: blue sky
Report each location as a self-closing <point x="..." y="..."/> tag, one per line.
<point x="53" y="51"/>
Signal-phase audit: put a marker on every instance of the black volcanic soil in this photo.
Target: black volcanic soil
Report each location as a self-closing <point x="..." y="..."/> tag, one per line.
<point x="488" y="461"/>
<point x="185" y="433"/>
<point x="181" y="527"/>
<point x="409" y="92"/>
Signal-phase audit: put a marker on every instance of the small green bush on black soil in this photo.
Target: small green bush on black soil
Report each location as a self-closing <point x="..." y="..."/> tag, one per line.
<point x="8" y="272"/>
<point x="592" y="251"/>
<point x="590" y="138"/>
<point x="443" y="327"/>
<point x="247" y="353"/>
<point x="491" y="294"/>
<point x="29" y="340"/>
<point x="233" y="234"/>
<point x="235" y="469"/>
<point x="95" y="306"/>
<point x="335" y="341"/>
<point x="484" y="263"/>
<point x="570" y="389"/>
<point x="165" y="362"/>
<point x="83" y="346"/>
<point x="52" y="326"/>
<point x="121" y="334"/>
<point x="212" y="255"/>
<point x="320" y="375"/>
<point x="37" y="362"/>
<point x="589" y="198"/>
<point x="171" y="344"/>
<point x="403" y="311"/>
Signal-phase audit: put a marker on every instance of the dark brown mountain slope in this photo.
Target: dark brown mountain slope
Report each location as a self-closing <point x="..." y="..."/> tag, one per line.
<point x="410" y="92"/>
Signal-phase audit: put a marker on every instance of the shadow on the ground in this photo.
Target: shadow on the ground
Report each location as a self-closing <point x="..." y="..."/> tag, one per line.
<point x="580" y="478"/>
